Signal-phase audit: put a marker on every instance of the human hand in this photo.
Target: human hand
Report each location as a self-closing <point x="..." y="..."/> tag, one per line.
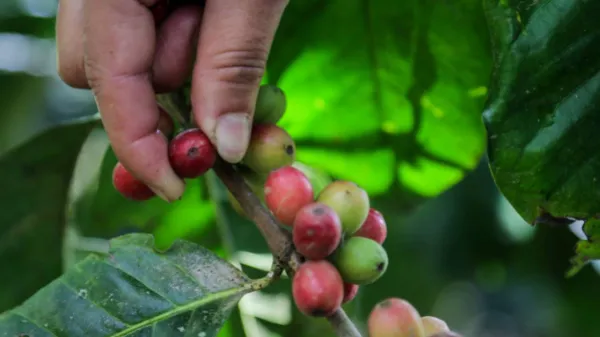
<point x="113" y="48"/>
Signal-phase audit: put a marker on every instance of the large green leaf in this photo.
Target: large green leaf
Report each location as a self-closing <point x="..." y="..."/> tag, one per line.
<point x="135" y="290"/>
<point x="34" y="180"/>
<point x="385" y="93"/>
<point x="544" y="107"/>
<point x="544" y="110"/>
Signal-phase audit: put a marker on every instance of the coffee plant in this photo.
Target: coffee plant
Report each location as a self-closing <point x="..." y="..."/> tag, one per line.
<point x="366" y="111"/>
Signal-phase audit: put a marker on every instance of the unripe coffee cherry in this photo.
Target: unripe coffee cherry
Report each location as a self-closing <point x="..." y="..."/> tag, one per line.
<point x="395" y="317"/>
<point x="317" y="288"/>
<point x="374" y="227"/>
<point x="287" y="190"/>
<point x="350" y="291"/>
<point x="361" y="260"/>
<point x="191" y="153"/>
<point x="349" y="201"/>
<point x="316" y="231"/>
<point x="433" y="325"/>
<point x="129" y="186"/>
<point x="270" y="104"/>
<point x="165" y="123"/>
<point x="270" y="148"/>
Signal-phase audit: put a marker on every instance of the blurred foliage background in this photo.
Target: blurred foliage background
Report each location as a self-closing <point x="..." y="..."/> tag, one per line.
<point x="457" y="248"/>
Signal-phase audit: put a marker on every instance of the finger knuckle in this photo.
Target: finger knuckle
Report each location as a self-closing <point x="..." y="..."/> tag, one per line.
<point x="95" y="75"/>
<point x="72" y="73"/>
<point x="240" y="67"/>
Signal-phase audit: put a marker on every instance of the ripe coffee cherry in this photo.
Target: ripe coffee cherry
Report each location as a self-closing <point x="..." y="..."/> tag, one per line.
<point x="361" y="260"/>
<point x="349" y="201"/>
<point x="165" y="123"/>
<point x="318" y="179"/>
<point x="270" y="104"/>
<point x="129" y="186"/>
<point x="374" y="227"/>
<point x="316" y="231"/>
<point x="350" y="291"/>
<point x="287" y="190"/>
<point x="395" y="317"/>
<point x="433" y="325"/>
<point x="270" y="148"/>
<point x="191" y="153"/>
<point x="317" y="288"/>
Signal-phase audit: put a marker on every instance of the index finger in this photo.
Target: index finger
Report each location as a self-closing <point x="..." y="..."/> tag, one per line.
<point x="119" y="50"/>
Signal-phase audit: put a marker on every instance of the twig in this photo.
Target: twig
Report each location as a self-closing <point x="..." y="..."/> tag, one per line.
<point x="278" y="239"/>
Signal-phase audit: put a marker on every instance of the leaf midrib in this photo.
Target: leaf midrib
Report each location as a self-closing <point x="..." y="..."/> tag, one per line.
<point x="184" y="308"/>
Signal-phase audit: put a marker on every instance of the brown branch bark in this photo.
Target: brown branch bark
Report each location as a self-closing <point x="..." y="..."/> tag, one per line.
<point x="278" y="239"/>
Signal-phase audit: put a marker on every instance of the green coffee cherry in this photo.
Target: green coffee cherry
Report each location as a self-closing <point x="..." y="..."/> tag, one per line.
<point x="349" y="201"/>
<point x="270" y="148"/>
<point x="270" y="104"/>
<point x="361" y="260"/>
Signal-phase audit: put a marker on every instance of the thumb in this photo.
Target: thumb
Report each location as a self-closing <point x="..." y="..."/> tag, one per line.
<point x="233" y="47"/>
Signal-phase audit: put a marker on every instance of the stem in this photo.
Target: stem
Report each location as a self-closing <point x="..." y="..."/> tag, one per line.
<point x="278" y="239"/>
<point x="221" y="219"/>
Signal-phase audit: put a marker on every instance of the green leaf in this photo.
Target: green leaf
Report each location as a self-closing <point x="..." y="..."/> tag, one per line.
<point x="387" y="94"/>
<point x="542" y="115"/>
<point x="35" y="180"/>
<point x="135" y="291"/>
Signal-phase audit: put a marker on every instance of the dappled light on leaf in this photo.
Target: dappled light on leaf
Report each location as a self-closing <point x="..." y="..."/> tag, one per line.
<point x="387" y="78"/>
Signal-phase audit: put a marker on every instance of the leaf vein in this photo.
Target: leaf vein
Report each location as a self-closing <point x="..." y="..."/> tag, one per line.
<point x="97" y="305"/>
<point x="39" y="325"/>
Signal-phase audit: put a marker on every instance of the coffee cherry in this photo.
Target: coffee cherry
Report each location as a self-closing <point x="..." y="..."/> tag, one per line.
<point x="318" y="179"/>
<point x="395" y="317"/>
<point x="165" y="123"/>
<point x="361" y="260"/>
<point x="349" y="201"/>
<point x="270" y="104"/>
<point x="270" y="148"/>
<point x="374" y="227"/>
<point x="433" y="325"/>
<point x="350" y="291"/>
<point x="316" y="231"/>
<point x="129" y="186"/>
<point x="317" y="288"/>
<point x="287" y="190"/>
<point x="191" y="153"/>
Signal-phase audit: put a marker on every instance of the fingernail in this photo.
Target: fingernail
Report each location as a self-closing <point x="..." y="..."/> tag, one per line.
<point x="232" y="135"/>
<point x="160" y="194"/>
<point x="171" y="189"/>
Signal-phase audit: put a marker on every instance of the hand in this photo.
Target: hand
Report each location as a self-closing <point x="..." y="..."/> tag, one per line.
<point x="113" y="47"/>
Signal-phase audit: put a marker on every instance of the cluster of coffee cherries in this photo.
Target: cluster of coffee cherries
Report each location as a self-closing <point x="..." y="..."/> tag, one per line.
<point x="191" y="154"/>
<point x="396" y="317"/>
<point x="333" y="226"/>
<point x="337" y="233"/>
